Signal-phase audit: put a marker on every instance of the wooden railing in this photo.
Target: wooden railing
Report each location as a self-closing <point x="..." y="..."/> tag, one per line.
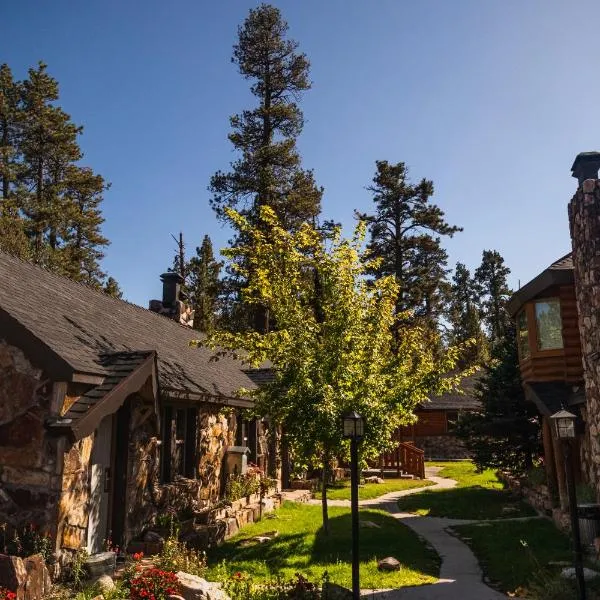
<point x="404" y="458"/>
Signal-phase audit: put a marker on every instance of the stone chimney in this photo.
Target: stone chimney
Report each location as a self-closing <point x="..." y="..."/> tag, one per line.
<point x="173" y="300"/>
<point x="584" y="221"/>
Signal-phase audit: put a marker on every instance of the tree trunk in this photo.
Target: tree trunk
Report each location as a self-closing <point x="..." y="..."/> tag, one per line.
<point x="324" y="494"/>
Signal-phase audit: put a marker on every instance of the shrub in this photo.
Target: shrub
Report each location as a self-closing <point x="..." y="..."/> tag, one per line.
<point x="240" y="486"/>
<point x="25" y="541"/>
<point x="153" y="584"/>
<point x="176" y="556"/>
<point x="239" y="586"/>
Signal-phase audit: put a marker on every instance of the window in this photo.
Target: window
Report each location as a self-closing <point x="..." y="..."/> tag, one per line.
<point x="179" y="443"/>
<point x="523" y="335"/>
<point x="548" y="324"/>
<point x="451" y="420"/>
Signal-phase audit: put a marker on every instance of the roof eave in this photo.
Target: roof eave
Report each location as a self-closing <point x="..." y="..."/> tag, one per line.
<point x="546" y="279"/>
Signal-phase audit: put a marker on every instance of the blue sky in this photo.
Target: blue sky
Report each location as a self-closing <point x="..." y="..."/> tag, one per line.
<point x="490" y="100"/>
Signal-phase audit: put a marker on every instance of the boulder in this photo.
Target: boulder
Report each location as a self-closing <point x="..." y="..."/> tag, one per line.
<point x="105" y="583"/>
<point x="153" y="537"/>
<point x="28" y="577"/>
<point x="389" y="564"/>
<point x="374" y="479"/>
<point x="588" y="574"/>
<point x="196" y="588"/>
<point x="103" y="563"/>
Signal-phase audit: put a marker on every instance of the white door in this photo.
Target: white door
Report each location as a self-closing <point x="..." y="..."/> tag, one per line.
<point x="100" y="486"/>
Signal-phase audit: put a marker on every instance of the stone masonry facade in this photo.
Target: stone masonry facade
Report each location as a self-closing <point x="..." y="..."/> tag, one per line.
<point x="584" y="219"/>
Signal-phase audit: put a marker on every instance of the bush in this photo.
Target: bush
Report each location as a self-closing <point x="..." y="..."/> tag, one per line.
<point x="153" y="584"/>
<point x="176" y="556"/>
<point x="240" y="486"/>
<point x="25" y="541"/>
<point x="240" y="586"/>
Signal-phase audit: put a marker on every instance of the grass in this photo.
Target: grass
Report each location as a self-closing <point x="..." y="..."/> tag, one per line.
<point x="301" y="546"/>
<point x="512" y="552"/>
<point x="341" y="490"/>
<point x="476" y="496"/>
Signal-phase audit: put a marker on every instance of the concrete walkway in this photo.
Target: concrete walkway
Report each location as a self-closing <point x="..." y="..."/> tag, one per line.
<point x="461" y="577"/>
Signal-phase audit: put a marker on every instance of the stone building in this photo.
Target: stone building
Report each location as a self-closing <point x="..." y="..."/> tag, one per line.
<point x="108" y="413"/>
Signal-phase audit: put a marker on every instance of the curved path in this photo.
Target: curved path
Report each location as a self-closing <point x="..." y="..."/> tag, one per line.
<point x="461" y="577"/>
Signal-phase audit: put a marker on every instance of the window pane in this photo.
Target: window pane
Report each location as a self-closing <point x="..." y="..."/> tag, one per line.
<point x="523" y="335"/>
<point x="547" y="316"/>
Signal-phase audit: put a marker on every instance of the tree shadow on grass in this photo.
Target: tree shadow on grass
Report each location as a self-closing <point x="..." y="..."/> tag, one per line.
<point x="276" y="554"/>
<point x="466" y="503"/>
<point x="387" y="538"/>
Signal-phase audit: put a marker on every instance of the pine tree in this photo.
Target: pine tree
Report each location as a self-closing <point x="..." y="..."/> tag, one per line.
<point x="404" y="235"/>
<point x="111" y="287"/>
<point x="83" y="241"/>
<point x="268" y="171"/>
<point x="204" y="286"/>
<point x="12" y="232"/>
<point x="49" y="147"/>
<point x="492" y="287"/>
<point x="463" y="316"/>
<point x="505" y="434"/>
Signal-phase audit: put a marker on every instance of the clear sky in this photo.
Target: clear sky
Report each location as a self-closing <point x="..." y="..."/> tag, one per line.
<point x="490" y="100"/>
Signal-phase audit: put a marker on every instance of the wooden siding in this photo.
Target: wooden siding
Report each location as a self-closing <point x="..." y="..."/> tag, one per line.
<point x="430" y="422"/>
<point x="564" y="364"/>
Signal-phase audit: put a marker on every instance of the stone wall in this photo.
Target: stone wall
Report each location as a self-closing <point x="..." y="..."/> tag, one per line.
<point x="584" y="219"/>
<point x="73" y="510"/>
<point x="442" y="446"/>
<point x="30" y="480"/>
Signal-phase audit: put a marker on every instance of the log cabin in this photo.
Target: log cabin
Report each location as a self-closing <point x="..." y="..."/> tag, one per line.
<point x="550" y="358"/>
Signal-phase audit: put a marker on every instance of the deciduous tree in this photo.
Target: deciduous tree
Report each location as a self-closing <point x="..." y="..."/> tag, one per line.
<point x="332" y="349"/>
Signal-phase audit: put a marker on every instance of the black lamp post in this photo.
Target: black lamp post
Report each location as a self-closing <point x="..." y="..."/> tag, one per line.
<point x="564" y="423"/>
<point x="354" y="431"/>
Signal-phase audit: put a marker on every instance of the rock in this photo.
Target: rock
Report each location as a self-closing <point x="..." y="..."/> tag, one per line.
<point x="370" y="525"/>
<point x="13" y="575"/>
<point x="196" y="588"/>
<point x="175" y="597"/>
<point x="105" y="583"/>
<point x="588" y="574"/>
<point x="152" y="536"/>
<point x="389" y="564"/>
<point x="100" y="597"/>
<point x="29" y="577"/>
<point x="38" y="578"/>
<point x="103" y="563"/>
<point x="374" y="479"/>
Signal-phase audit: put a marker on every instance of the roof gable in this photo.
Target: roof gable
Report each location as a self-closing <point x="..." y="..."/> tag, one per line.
<point x="80" y="325"/>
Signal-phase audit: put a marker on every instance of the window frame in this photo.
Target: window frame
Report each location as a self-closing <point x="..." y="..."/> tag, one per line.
<point x="537" y="329"/>
<point x="532" y="330"/>
<point x="176" y="420"/>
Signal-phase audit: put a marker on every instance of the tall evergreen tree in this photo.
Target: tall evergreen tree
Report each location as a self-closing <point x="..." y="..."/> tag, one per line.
<point x="268" y="171"/>
<point x="492" y="287"/>
<point x="405" y="235"/>
<point x="204" y="286"/>
<point x="49" y="203"/>
<point x="505" y="434"/>
<point x="463" y="317"/>
<point x="12" y="231"/>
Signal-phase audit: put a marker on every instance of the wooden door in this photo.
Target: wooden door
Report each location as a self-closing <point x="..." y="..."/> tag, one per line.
<point x="100" y="463"/>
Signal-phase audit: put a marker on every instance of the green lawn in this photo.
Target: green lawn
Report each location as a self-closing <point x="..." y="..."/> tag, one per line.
<point x="301" y="546"/>
<point x="476" y="496"/>
<point x="341" y="490"/>
<point x="513" y="553"/>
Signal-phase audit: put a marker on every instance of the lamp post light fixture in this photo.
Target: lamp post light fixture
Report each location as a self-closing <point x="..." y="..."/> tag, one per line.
<point x="354" y="431"/>
<point x="564" y="424"/>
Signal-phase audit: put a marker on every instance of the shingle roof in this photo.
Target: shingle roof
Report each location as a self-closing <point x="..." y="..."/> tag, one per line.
<point x="559" y="272"/>
<point x="82" y="325"/>
<point x="456" y="400"/>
